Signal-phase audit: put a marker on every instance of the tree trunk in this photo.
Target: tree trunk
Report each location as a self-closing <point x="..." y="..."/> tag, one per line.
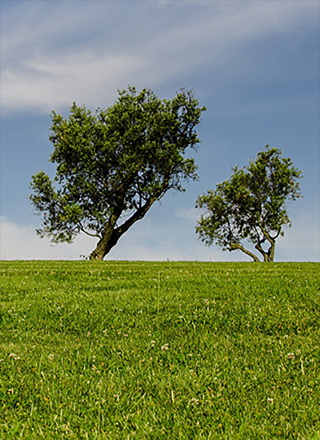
<point x="269" y="255"/>
<point x="101" y="249"/>
<point x="262" y="252"/>
<point x="111" y="235"/>
<point x="99" y="252"/>
<point x="102" y="246"/>
<point x="271" y="251"/>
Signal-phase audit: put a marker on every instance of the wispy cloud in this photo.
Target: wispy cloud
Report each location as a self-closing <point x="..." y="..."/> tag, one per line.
<point x="56" y="53"/>
<point x="50" y="83"/>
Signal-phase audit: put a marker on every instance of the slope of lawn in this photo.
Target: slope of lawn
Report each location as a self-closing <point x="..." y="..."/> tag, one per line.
<point x="177" y="350"/>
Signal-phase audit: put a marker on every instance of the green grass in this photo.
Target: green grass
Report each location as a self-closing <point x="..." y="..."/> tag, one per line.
<point x="133" y="350"/>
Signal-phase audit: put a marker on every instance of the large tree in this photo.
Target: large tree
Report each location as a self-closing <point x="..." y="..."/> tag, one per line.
<point x="251" y="205"/>
<point x="112" y="165"/>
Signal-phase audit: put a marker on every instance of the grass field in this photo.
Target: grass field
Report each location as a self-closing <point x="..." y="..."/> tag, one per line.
<point x="134" y="350"/>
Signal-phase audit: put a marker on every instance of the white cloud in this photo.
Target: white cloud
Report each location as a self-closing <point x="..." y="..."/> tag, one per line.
<point x="19" y="242"/>
<point x="54" y="55"/>
<point x="51" y="83"/>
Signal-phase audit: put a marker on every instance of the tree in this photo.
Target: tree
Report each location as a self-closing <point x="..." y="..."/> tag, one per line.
<point x="251" y="205"/>
<point x="112" y="165"/>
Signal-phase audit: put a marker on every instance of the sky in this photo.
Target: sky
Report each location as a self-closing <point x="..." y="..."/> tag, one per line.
<point x="253" y="63"/>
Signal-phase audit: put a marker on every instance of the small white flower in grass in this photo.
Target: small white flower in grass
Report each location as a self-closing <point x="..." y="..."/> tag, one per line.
<point x="290" y="355"/>
<point x="165" y="347"/>
<point x="125" y="335"/>
<point x="270" y="399"/>
<point x="51" y="356"/>
<point x="194" y="401"/>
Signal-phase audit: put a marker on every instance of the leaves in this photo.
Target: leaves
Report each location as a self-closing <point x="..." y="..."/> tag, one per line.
<point x="251" y="204"/>
<point x="115" y="162"/>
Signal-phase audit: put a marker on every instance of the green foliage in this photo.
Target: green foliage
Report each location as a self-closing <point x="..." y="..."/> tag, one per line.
<point x="251" y="205"/>
<point x="125" y="350"/>
<point x="114" y="164"/>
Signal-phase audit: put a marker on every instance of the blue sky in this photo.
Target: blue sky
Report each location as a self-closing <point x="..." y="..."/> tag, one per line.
<point x="253" y="63"/>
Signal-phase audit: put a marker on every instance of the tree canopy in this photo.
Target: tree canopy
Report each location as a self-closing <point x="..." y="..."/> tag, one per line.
<point x="112" y="165"/>
<point x="251" y="205"/>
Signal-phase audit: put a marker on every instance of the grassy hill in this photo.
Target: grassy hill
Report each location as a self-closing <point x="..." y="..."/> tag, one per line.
<point x="177" y="350"/>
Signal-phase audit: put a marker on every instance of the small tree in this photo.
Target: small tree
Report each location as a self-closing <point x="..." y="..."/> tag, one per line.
<point x="113" y="165"/>
<point x="251" y="205"/>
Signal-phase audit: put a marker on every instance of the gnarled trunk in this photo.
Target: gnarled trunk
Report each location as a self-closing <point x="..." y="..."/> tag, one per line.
<point x="268" y="256"/>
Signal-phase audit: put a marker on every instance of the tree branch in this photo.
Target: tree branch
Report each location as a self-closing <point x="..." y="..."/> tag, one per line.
<point x="266" y="234"/>
<point x="118" y="232"/>
<point x="262" y="251"/>
<point x="88" y="233"/>
<point x="236" y="246"/>
<point x="139" y="214"/>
